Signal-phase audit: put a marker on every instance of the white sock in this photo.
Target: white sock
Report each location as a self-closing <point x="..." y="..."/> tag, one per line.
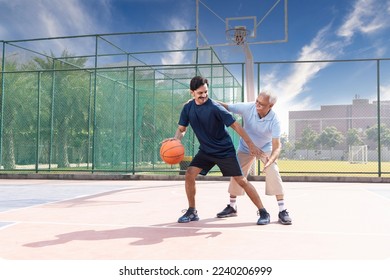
<point x="232" y="202"/>
<point x="281" y="205"/>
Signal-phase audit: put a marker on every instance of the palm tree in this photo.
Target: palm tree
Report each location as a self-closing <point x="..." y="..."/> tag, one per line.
<point x="70" y="95"/>
<point x="18" y="115"/>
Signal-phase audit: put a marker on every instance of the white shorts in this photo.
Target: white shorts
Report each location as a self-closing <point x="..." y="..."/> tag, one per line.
<point x="273" y="180"/>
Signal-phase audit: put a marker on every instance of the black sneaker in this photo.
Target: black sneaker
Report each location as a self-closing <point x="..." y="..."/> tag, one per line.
<point x="227" y="212"/>
<point x="284" y="218"/>
<point x="190" y="215"/>
<point x="264" y="217"/>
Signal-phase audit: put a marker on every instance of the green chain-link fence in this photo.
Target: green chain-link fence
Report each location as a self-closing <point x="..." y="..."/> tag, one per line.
<point x="107" y="109"/>
<point x="58" y="114"/>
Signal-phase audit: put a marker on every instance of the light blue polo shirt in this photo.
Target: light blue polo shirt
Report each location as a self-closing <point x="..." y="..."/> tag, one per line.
<point x="260" y="130"/>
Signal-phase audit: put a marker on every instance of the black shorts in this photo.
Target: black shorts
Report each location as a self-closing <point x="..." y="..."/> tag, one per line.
<point x="229" y="166"/>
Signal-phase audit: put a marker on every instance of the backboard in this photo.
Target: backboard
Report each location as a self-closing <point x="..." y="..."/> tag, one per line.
<point x="264" y="21"/>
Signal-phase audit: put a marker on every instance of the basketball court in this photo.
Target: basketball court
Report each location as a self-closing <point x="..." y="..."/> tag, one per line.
<point x="136" y="220"/>
<point x="119" y="220"/>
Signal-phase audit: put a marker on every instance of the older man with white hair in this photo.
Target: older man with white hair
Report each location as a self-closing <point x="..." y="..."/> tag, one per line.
<point x="262" y="125"/>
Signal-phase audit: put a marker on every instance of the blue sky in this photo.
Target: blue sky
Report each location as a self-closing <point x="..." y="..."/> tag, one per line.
<point x="317" y="30"/>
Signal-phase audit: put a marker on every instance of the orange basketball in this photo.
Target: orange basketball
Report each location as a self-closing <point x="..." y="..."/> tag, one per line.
<point x="172" y="151"/>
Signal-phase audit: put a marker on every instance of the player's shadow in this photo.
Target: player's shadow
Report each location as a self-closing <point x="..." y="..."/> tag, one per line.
<point x="146" y="235"/>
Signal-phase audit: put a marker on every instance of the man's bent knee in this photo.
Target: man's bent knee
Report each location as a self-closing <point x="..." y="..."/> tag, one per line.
<point x="192" y="172"/>
<point x="241" y="180"/>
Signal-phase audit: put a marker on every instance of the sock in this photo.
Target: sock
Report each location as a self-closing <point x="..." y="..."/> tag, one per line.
<point x="232" y="202"/>
<point x="281" y="205"/>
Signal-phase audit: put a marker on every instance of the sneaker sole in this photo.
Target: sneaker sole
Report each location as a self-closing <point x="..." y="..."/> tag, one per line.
<point x="284" y="223"/>
<point x="184" y="222"/>
<point x="227" y="216"/>
<point x="263" y="224"/>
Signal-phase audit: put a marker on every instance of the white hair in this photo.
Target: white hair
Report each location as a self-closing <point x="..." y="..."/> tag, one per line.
<point x="272" y="98"/>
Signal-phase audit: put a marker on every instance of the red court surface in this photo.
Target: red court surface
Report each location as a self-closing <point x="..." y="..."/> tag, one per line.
<point x="137" y="220"/>
<point x="68" y="220"/>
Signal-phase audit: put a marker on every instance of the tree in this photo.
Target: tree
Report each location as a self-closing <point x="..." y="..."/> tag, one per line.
<point x="353" y="138"/>
<point x="372" y="134"/>
<point x="308" y="140"/>
<point x="287" y="147"/>
<point x="71" y="93"/>
<point x="330" y="137"/>
<point x="18" y="116"/>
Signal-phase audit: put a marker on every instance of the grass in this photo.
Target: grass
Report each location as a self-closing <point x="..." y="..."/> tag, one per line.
<point x="287" y="168"/>
<point x="311" y="167"/>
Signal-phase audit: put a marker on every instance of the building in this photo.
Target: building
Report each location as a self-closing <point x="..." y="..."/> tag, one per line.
<point x="361" y="115"/>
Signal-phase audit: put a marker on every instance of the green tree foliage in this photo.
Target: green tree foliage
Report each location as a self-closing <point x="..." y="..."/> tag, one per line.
<point x="353" y="138"/>
<point x="308" y="140"/>
<point x="287" y="147"/>
<point x="330" y="137"/>
<point x="372" y="134"/>
<point x="69" y="94"/>
<point x="20" y="103"/>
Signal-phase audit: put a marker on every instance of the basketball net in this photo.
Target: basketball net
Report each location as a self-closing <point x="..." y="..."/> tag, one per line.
<point x="237" y="35"/>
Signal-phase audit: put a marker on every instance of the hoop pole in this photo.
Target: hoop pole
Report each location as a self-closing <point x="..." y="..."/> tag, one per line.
<point x="197" y="24"/>
<point x="249" y="77"/>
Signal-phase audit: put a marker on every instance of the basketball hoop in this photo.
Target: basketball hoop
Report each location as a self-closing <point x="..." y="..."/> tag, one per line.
<point x="237" y="35"/>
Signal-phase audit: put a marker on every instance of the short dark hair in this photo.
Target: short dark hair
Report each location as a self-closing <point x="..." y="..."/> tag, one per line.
<point x="197" y="82"/>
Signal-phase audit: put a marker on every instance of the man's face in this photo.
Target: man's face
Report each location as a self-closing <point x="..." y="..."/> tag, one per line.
<point x="200" y="95"/>
<point x="262" y="105"/>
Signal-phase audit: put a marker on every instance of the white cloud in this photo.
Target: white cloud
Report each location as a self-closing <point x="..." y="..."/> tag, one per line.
<point x="46" y="18"/>
<point x="61" y="18"/>
<point x="302" y="73"/>
<point x="385" y="92"/>
<point x="367" y="16"/>
<point x="58" y="18"/>
<point x="24" y="19"/>
<point x="293" y="85"/>
<point x="3" y="32"/>
<point x="176" y="41"/>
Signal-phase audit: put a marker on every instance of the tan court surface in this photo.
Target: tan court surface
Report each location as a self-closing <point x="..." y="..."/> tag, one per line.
<point x="117" y="220"/>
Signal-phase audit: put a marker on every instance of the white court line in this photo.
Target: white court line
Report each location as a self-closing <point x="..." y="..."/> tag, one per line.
<point x="7" y="226"/>
<point x="372" y="192"/>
